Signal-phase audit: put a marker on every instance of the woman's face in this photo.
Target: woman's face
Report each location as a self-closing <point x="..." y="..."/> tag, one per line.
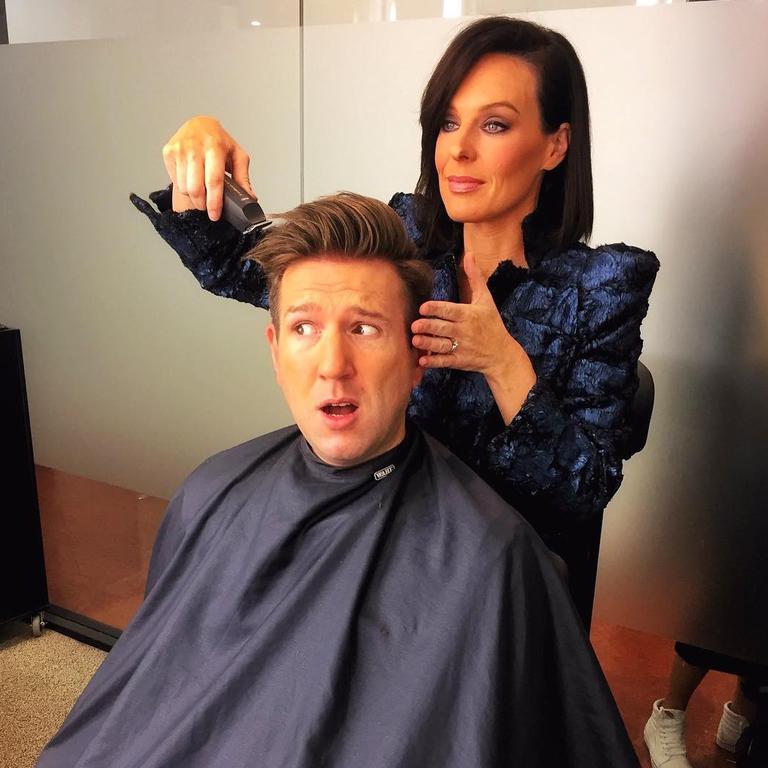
<point x="491" y="151"/>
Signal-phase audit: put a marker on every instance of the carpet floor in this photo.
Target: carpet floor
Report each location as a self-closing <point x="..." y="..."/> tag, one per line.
<point x="40" y="680"/>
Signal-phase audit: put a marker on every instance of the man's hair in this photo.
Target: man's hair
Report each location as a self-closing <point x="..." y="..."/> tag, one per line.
<point x="344" y="225"/>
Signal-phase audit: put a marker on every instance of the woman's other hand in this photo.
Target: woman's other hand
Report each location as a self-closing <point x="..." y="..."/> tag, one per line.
<point x="473" y="337"/>
<point x="196" y="157"/>
<point x="482" y="342"/>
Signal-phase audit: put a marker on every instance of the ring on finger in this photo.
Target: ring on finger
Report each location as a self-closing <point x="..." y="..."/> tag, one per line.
<point x="454" y="346"/>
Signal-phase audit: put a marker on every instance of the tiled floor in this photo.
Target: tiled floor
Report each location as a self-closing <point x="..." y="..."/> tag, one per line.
<point x="98" y="540"/>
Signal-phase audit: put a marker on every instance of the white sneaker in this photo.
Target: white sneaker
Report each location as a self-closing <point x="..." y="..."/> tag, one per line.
<point x="730" y="729"/>
<point x="665" y="738"/>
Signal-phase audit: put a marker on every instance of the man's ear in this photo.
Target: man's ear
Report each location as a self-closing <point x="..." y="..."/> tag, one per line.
<point x="418" y="371"/>
<point x="271" y="334"/>
<point x="558" y="147"/>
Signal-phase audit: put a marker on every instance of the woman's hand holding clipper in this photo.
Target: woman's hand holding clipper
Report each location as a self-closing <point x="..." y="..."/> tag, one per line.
<point x="196" y="157"/>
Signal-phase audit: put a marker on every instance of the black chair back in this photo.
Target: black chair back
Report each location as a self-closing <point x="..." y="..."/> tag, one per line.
<point x="641" y="409"/>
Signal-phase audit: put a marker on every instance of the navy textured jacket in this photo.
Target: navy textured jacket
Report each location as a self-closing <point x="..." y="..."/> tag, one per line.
<point x="577" y="313"/>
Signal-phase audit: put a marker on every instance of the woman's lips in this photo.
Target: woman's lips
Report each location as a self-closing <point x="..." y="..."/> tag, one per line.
<point x="463" y="183"/>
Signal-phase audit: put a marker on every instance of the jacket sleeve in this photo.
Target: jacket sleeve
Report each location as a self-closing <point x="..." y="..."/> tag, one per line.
<point x="213" y="251"/>
<point x="564" y="449"/>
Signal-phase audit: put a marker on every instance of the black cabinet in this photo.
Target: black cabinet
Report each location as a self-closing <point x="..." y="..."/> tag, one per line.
<point x="23" y="587"/>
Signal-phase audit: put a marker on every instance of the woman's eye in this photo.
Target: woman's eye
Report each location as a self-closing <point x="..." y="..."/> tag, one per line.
<point x="495" y="126"/>
<point x="448" y="125"/>
<point x="363" y="329"/>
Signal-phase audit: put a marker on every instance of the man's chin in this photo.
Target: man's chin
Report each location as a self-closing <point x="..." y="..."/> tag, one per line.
<point x="349" y="447"/>
<point x="341" y="452"/>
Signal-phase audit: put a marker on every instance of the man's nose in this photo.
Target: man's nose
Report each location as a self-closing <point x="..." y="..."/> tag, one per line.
<point x="335" y="358"/>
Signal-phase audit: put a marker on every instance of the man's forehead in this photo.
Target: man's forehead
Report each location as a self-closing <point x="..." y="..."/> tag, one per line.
<point x="321" y="281"/>
<point x="330" y="265"/>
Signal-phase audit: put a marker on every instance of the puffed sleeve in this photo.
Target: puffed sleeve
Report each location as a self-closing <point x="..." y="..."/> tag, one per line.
<point x="212" y="251"/>
<point x="564" y="449"/>
<point x="405" y="205"/>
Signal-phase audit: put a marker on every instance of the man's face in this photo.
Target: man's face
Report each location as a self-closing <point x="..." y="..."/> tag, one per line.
<point x="343" y="357"/>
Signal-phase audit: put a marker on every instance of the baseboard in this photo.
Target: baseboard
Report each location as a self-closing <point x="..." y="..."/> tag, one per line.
<point x="80" y="627"/>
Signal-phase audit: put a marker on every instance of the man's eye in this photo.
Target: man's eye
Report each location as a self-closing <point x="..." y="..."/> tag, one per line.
<point x="363" y="329"/>
<point x="495" y="126"/>
<point x="303" y="329"/>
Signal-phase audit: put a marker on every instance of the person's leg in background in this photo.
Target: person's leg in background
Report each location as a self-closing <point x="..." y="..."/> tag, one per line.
<point x="737" y="715"/>
<point x="753" y="746"/>
<point x="664" y="732"/>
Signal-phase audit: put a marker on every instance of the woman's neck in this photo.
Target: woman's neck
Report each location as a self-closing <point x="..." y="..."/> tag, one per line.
<point x="493" y="242"/>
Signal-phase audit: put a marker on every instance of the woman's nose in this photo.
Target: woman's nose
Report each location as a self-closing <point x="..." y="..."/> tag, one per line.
<point x="335" y="360"/>
<point x="462" y="147"/>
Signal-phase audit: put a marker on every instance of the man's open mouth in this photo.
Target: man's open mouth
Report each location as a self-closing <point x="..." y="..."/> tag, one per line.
<point x="339" y="408"/>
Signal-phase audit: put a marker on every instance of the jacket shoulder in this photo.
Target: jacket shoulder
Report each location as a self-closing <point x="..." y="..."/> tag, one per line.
<point x="624" y="266"/>
<point x="616" y="266"/>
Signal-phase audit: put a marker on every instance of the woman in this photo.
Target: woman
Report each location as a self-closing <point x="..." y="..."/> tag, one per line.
<point x="532" y="338"/>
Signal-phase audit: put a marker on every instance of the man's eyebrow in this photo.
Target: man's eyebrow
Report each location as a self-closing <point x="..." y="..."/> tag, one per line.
<point x="370" y="314"/>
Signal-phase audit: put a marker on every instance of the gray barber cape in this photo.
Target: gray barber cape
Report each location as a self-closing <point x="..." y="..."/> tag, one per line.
<point x="398" y="614"/>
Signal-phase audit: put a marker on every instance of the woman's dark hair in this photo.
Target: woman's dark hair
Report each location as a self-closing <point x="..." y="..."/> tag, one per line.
<point x="565" y="207"/>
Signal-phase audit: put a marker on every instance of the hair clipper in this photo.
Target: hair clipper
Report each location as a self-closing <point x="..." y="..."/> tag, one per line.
<point x="241" y="209"/>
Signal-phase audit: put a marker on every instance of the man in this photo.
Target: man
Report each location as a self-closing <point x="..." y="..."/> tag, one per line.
<point x="345" y="592"/>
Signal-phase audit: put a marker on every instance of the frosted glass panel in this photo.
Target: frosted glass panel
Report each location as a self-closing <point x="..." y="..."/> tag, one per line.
<point x="679" y="96"/>
<point x="134" y="374"/>
<point x="362" y="11"/>
<point x="37" y="21"/>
